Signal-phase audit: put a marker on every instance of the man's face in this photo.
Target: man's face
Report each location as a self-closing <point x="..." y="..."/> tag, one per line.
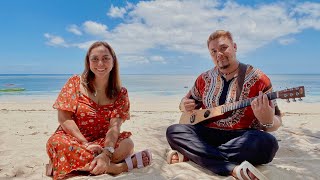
<point x="223" y="52"/>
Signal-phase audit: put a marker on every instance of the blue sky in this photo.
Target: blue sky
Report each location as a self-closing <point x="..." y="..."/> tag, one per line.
<point x="158" y="37"/>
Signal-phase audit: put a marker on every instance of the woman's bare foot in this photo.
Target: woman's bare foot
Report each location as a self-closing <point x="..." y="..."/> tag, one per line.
<point x="116" y="169"/>
<point x="145" y="159"/>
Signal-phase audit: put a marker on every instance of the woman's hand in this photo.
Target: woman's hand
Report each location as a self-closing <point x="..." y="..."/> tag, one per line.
<point x="99" y="164"/>
<point x="96" y="148"/>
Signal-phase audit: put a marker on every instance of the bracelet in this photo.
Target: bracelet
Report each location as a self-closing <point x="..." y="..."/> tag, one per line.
<point x="268" y="125"/>
<point x="109" y="154"/>
<point x="109" y="150"/>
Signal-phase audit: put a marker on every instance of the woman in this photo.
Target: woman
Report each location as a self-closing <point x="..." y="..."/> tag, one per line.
<point x="91" y="109"/>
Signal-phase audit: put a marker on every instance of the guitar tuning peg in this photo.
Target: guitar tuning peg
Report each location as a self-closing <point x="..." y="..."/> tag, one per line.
<point x="288" y="100"/>
<point x="294" y="100"/>
<point x="300" y="99"/>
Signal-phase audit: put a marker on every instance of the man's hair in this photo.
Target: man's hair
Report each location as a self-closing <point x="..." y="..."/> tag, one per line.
<point x="219" y="33"/>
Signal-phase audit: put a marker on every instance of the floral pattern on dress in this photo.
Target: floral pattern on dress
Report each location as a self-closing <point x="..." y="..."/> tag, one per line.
<point x="93" y="120"/>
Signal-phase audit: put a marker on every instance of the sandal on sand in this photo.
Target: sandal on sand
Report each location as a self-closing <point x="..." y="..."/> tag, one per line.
<point x="138" y="155"/>
<point x="49" y="169"/>
<point x="245" y="166"/>
<point x="171" y="152"/>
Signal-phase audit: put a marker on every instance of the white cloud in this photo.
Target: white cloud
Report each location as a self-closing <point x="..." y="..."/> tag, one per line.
<point x="134" y="59"/>
<point x="308" y="15"/>
<point x="55" y="40"/>
<point x="84" y="45"/>
<point x="183" y="26"/>
<point x="159" y="59"/>
<point x="74" y="29"/>
<point x="116" y="12"/>
<point x="94" y="28"/>
<point x="308" y="8"/>
<point x="286" y="41"/>
<point x="129" y="6"/>
<point x="142" y="59"/>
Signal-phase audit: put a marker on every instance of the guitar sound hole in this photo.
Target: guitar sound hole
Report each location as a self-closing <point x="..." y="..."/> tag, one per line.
<point x="192" y="118"/>
<point x="207" y="113"/>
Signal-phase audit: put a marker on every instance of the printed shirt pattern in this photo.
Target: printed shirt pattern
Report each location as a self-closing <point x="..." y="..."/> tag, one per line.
<point x="208" y="89"/>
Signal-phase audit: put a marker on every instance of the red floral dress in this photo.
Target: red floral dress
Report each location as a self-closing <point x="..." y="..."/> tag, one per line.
<point x="65" y="151"/>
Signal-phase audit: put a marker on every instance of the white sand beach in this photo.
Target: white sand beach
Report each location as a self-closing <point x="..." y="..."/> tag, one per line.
<point x="28" y="121"/>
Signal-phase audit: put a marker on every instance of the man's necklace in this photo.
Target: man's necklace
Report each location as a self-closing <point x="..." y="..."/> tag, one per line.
<point x="226" y="74"/>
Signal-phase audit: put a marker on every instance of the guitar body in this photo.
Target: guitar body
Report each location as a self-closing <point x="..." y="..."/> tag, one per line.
<point x="199" y="115"/>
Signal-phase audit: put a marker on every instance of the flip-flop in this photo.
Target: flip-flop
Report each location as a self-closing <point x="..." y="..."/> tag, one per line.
<point x="244" y="166"/>
<point x="138" y="156"/>
<point x="172" y="152"/>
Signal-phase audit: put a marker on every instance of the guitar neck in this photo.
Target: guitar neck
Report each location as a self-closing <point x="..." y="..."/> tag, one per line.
<point x="245" y="103"/>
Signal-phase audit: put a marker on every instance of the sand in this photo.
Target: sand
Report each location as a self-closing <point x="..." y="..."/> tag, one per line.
<point x="28" y="121"/>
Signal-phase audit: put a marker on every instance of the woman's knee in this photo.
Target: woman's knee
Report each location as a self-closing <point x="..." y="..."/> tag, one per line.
<point x="124" y="150"/>
<point x="54" y="141"/>
<point x="127" y="144"/>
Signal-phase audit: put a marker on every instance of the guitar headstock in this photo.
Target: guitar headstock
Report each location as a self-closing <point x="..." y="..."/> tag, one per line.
<point x="292" y="93"/>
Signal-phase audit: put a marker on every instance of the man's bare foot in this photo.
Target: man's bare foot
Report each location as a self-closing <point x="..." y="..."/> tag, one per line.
<point x="174" y="156"/>
<point x="250" y="174"/>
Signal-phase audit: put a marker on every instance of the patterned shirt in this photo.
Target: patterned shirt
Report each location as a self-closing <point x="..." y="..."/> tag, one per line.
<point x="209" y="87"/>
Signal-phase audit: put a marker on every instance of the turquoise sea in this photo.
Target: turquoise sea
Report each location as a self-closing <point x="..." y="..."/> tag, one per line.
<point x="160" y="85"/>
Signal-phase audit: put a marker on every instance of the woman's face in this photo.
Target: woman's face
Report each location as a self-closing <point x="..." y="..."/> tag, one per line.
<point x="101" y="61"/>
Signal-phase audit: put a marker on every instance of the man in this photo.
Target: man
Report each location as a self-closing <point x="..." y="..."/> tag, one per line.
<point x="238" y="138"/>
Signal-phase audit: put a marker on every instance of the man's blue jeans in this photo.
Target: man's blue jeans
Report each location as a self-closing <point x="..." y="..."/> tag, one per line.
<point x="221" y="150"/>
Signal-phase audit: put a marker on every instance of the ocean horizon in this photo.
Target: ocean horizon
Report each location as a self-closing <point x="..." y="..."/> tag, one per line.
<point x="148" y="84"/>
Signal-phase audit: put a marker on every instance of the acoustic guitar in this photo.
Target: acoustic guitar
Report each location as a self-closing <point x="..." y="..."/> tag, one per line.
<point x="199" y="115"/>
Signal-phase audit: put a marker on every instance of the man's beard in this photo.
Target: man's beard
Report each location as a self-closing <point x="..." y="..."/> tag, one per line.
<point x="224" y="64"/>
<point x="224" y="67"/>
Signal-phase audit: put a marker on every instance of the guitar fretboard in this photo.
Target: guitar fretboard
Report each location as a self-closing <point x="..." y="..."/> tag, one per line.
<point x="245" y="103"/>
